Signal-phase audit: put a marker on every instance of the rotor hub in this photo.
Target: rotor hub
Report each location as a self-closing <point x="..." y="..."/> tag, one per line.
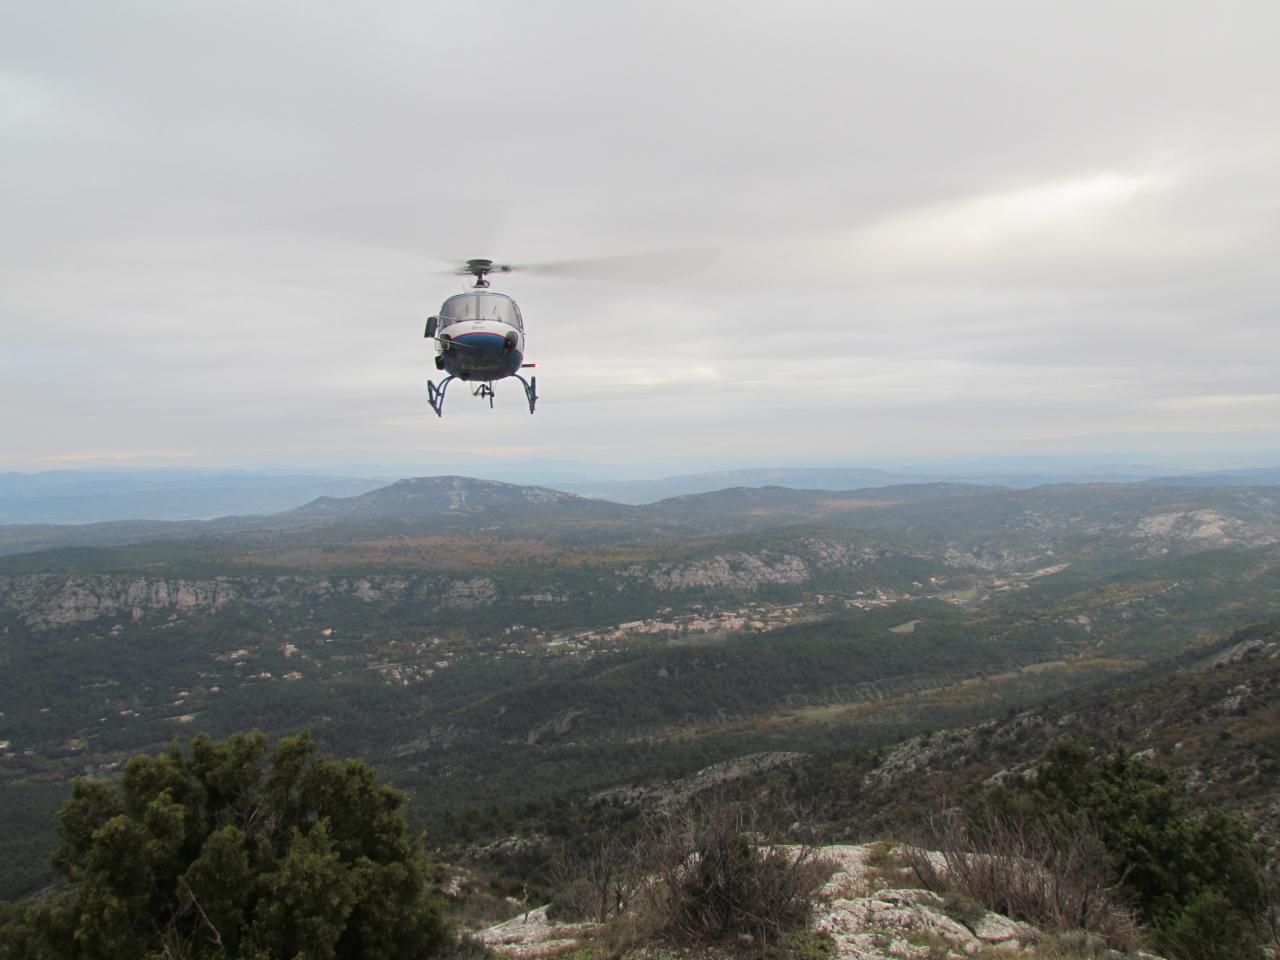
<point x="480" y="268"/>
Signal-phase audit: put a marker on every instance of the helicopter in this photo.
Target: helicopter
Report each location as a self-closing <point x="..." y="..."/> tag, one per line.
<point x="479" y="334"/>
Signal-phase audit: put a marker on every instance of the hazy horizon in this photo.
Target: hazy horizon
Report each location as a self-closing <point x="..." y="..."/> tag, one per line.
<point x="581" y="470"/>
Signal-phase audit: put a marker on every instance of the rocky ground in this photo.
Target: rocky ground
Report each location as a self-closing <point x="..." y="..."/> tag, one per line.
<point x="862" y="913"/>
<point x="531" y="934"/>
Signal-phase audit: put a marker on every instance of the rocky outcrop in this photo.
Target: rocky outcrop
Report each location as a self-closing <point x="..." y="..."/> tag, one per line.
<point x="1201" y="529"/>
<point x="469" y="594"/>
<point x="829" y="553"/>
<point x="44" y="601"/>
<point x="54" y="600"/>
<point x="533" y="935"/>
<point x="863" y="922"/>
<point x="557" y="726"/>
<point x="891" y="924"/>
<point x="736" y="572"/>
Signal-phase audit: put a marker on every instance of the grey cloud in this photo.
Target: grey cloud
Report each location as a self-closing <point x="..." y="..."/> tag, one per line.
<point x="218" y="222"/>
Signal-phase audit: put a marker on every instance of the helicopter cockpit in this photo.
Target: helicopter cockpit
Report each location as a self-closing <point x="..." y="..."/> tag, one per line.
<point x="480" y="305"/>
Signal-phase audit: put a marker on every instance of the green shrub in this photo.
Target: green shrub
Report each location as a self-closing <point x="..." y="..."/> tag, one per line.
<point x="1208" y="928"/>
<point x="1195" y="877"/>
<point x="218" y="853"/>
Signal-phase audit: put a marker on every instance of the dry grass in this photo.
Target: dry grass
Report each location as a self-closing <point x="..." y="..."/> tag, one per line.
<point x="714" y="882"/>
<point x="699" y="877"/>
<point x="1011" y="867"/>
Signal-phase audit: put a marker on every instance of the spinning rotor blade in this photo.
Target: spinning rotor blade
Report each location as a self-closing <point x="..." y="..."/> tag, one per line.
<point x="473" y="223"/>
<point x="658" y="266"/>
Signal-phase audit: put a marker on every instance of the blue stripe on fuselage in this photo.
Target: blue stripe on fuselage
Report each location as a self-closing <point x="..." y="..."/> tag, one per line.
<point x="491" y="341"/>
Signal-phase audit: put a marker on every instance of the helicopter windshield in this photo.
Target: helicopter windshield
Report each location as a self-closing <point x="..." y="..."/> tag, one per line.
<point x="480" y="306"/>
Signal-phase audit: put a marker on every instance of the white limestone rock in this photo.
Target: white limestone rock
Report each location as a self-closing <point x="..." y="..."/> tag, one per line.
<point x="532" y="935"/>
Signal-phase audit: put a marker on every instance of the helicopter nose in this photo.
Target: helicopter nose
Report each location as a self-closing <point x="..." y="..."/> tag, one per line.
<point x="483" y="342"/>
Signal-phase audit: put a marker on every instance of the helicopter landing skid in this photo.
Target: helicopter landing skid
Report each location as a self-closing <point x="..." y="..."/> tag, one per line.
<point x="435" y="395"/>
<point x="530" y="389"/>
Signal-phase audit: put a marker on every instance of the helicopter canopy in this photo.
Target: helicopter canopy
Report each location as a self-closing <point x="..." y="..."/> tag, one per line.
<point x="481" y="305"/>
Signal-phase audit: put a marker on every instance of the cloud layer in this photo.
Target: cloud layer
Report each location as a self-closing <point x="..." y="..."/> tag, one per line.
<point x="945" y="228"/>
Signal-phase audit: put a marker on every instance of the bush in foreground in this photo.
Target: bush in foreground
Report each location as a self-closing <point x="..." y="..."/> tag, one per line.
<point x="218" y="853"/>
<point x="1006" y="863"/>
<point x="699" y="876"/>
<point x="1195" y="876"/>
<point x="1091" y="841"/>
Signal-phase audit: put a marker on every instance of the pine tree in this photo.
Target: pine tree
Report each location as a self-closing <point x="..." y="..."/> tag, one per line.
<point x="220" y="852"/>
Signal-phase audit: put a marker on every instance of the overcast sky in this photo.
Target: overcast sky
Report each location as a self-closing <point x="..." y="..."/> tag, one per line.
<point x="946" y="229"/>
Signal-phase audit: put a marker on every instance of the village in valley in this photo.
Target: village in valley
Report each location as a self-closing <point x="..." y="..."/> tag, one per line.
<point x="406" y="662"/>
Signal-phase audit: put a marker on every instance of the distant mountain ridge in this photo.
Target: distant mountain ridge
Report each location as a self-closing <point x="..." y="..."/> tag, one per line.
<point x="431" y="496"/>
<point x="861" y="478"/>
<point x="823" y="478"/>
<point x="1262" y="477"/>
<point x="461" y="505"/>
<point x="99" y="496"/>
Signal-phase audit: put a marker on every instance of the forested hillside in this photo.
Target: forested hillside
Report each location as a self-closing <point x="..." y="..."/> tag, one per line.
<point x="551" y="648"/>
